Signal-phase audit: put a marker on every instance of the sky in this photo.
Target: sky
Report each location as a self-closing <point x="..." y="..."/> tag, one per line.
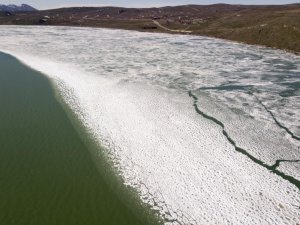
<point x="46" y="4"/>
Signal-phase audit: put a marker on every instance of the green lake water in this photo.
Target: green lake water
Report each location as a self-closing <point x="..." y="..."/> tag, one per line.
<point x="47" y="173"/>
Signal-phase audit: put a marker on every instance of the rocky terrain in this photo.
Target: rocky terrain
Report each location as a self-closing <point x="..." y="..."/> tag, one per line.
<point x="275" y="26"/>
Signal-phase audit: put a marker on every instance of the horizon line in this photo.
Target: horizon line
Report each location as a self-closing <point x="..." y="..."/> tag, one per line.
<point x="151" y="6"/>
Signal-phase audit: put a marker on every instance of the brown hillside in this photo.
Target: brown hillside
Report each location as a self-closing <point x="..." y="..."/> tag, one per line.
<point x="273" y="26"/>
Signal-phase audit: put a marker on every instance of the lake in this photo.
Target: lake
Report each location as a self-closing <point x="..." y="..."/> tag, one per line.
<point x="200" y="130"/>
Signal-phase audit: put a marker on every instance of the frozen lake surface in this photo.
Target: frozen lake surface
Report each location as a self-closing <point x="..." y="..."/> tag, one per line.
<point x="206" y="131"/>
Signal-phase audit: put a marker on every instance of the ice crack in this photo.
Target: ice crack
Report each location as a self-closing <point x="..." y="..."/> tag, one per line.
<point x="276" y="121"/>
<point x="272" y="168"/>
<point x="277" y="164"/>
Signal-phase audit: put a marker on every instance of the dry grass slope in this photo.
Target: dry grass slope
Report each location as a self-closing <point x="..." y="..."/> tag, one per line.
<point x="272" y="26"/>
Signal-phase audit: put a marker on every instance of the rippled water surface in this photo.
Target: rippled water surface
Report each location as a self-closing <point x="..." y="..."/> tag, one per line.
<point x="206" y="131"/>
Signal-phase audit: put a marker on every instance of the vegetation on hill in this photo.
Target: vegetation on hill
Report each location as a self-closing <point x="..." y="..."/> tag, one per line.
<point x="272" y="26"/>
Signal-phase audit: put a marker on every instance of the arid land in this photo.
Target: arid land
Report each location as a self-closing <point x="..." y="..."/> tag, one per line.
<point x="275" y="26"/>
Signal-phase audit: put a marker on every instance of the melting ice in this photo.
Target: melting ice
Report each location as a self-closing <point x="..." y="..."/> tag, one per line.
<point x="173" y="112"/>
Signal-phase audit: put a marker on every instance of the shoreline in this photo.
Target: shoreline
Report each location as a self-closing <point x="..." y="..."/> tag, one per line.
<point x="297" y="53"/>
<point x="273" y="26"/>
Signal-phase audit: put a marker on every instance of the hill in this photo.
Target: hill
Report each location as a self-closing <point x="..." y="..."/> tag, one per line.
<point x="16" y="8"/>
<point x="275" y="26"/>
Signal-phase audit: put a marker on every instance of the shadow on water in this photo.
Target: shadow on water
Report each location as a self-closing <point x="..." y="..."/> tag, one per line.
<point x="47" y="173"/>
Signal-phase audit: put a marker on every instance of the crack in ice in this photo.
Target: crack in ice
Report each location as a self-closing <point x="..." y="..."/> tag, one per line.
<point x="272" y="168"/>
<point x="277" y="164"/>
<point x="276" y="121"/>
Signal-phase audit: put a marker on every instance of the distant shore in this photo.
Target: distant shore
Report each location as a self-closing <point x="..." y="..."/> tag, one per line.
<point x="270" y="26"/>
